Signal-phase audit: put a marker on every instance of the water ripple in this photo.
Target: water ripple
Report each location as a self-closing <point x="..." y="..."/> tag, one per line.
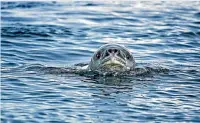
<point x="41" y="40"/>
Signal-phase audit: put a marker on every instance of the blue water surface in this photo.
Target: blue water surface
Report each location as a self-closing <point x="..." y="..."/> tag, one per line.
<point x="61" y="34"/>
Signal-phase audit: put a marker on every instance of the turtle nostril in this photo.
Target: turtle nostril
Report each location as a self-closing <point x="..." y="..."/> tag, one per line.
<point x="110" y="50"/>
<point x="115" y="50"/>
<point x="106" y="54"/>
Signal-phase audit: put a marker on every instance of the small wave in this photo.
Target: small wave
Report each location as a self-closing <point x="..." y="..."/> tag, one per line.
<point x="14" y="5"/>
<point x="34" y="30"/>
<point x="22" y="32"/>
<point x="190" y="34"/>
<point x="92" y="4"/>
<point x="197" y="14"/>
<point x="18" y="19"/>
<point x="78" y="69"/>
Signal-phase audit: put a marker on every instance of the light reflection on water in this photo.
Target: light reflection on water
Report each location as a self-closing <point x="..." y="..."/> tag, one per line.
<point x="61" y="34"/>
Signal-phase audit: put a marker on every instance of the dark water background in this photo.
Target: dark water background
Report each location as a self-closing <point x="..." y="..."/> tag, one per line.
<point x="57" y="34"/>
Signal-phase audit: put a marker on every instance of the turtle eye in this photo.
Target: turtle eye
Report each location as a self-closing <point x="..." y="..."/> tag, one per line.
<point x="98" y="55"/>
<point x="128" y="57"/>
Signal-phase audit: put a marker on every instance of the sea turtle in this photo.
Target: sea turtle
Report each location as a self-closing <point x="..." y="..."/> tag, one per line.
<point x="112" y="57"/>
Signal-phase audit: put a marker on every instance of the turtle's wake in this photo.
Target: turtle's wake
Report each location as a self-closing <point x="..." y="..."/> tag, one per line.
<point x="78" y="70"/>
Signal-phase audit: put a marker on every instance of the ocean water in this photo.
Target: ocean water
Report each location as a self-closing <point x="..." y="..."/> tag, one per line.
<point x="61" y="34"/>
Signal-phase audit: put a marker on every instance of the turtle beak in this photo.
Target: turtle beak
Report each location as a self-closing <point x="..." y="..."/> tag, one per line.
<point x="113" y="61"/>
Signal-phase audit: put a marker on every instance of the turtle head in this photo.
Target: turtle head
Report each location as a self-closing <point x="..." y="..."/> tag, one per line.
<point x="112" y="57"/>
